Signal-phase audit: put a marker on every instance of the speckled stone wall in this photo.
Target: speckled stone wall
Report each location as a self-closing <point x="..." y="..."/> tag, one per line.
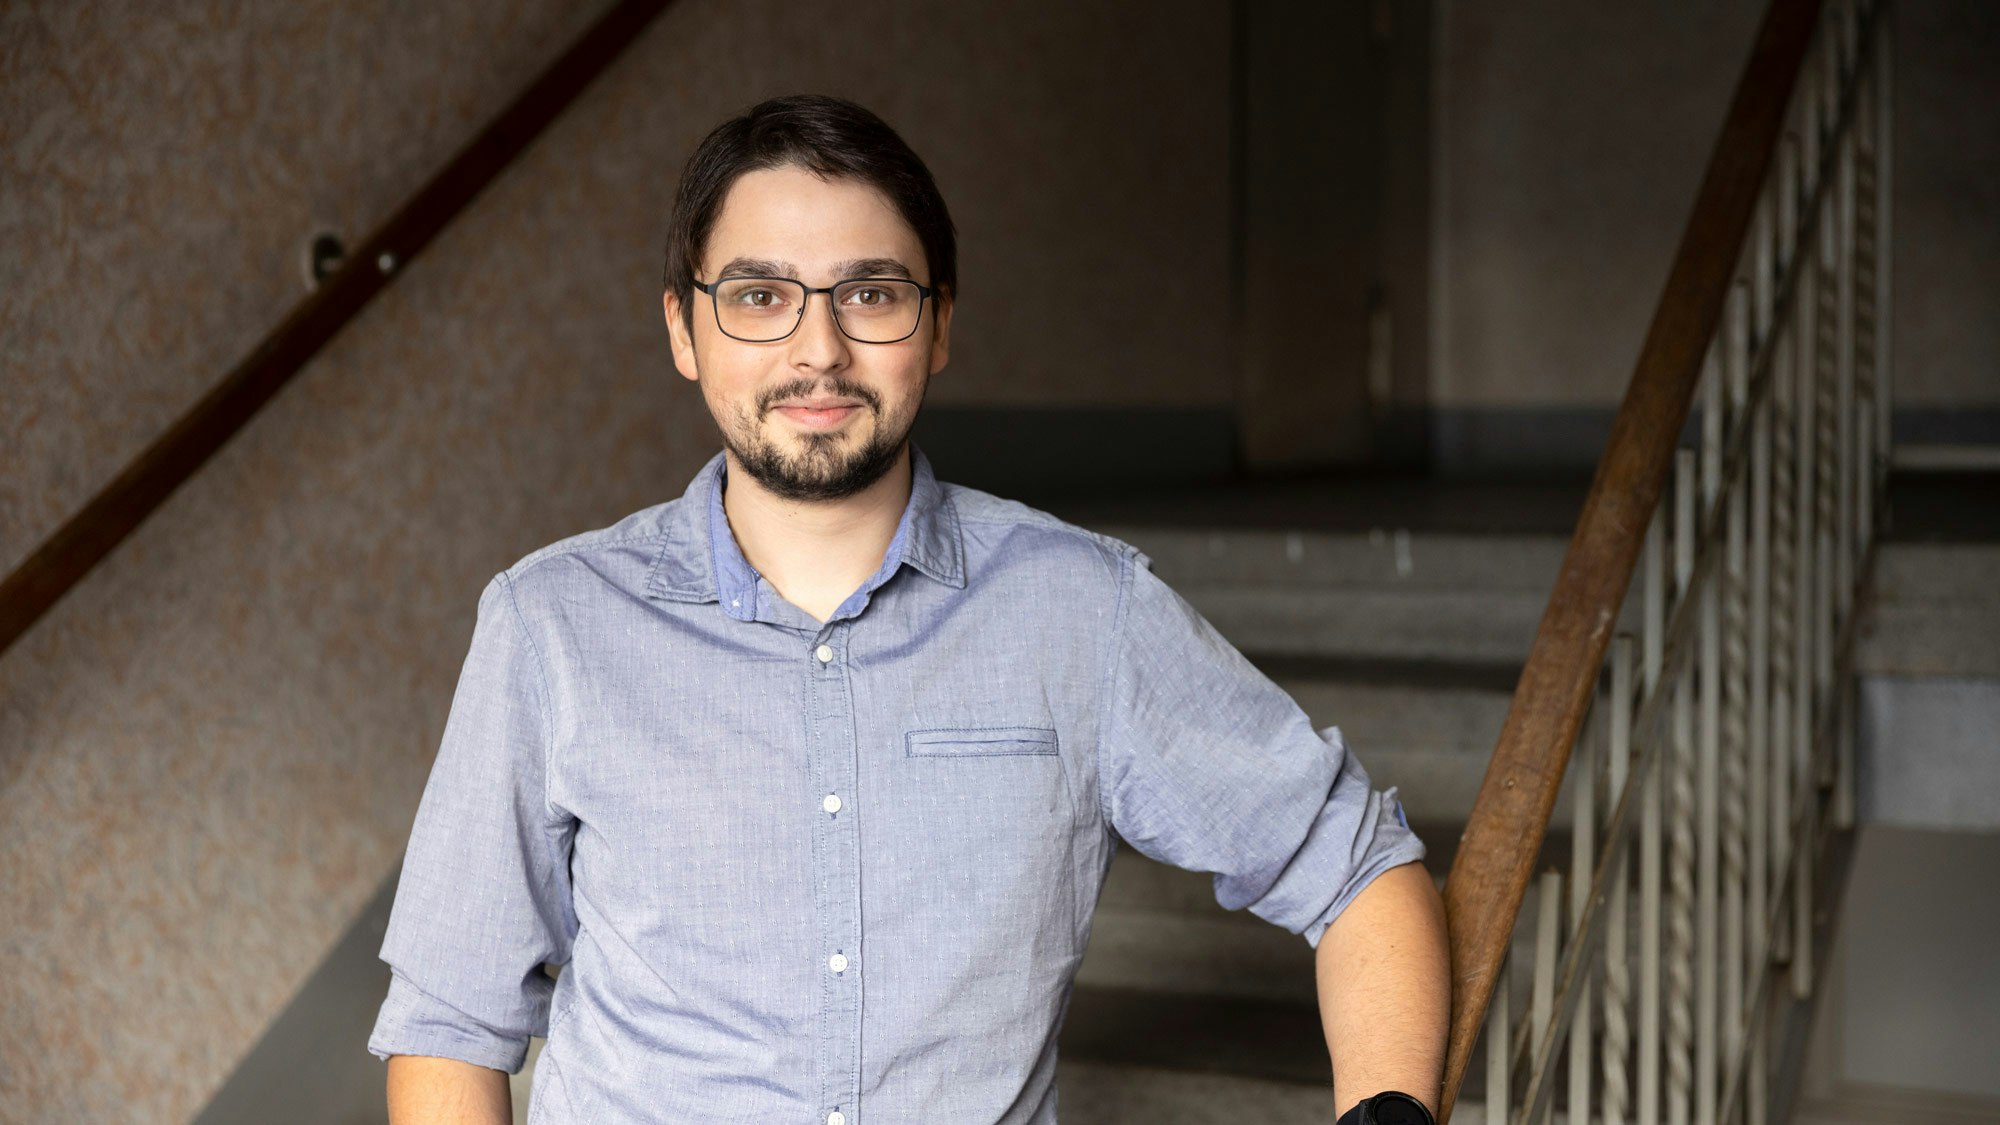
<point x="211" y="749"/>
<point x="162" y="167"/>
<point x="165" y="165"/>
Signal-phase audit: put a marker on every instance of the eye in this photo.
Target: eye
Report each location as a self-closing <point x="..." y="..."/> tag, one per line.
<point x="752" y="295"/>
<point x="874" y="297"/>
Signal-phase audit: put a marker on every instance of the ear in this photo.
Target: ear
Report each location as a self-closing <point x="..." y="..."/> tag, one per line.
<point x="941" y="334"/>
<point x="682" y="338"/>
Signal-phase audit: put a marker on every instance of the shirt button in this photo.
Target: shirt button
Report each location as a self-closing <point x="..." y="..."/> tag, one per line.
<point x="824" y="654"/>
<point x="831" y="804"/>
<point x="837" y="963"/>
<point x="836" y="1118"/>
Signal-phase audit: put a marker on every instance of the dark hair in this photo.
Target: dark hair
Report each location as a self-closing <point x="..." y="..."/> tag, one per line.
<point x="829" y="137"/>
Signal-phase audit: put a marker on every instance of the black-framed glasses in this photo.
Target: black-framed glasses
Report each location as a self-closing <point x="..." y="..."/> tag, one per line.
<point x="870" y="310"/>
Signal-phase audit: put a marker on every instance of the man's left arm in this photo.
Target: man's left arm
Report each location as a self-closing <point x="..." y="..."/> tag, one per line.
<point x="1206" y="764"/>
<point x="1385" y="990"/>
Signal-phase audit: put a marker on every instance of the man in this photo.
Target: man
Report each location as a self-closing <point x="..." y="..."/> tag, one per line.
<point x="810" y="777"/>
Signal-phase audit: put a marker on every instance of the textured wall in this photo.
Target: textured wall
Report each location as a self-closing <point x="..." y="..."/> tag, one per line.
<point x="162" y="166"/>
<point x="1572" y="138"/>
<point x="1083" y="149"/>
<point x="1947" y="265"/>
<point x="211" y="750"/>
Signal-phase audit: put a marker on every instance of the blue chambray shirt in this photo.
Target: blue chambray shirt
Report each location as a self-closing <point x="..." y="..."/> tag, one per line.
<point x="796" y="870"/>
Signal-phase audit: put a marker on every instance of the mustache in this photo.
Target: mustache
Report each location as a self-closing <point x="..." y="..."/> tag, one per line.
<point x="804" y="388"/>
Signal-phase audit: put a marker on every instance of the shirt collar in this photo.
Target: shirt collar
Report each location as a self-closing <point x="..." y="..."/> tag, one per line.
<point x="699" y="560"/>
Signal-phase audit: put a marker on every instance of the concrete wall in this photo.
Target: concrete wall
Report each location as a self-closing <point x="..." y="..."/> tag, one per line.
<point x="1947" y="223"/>
<point x="1571" y="138"/>
<point x="1907" y="1022"/>
<point x="211" y="750"/>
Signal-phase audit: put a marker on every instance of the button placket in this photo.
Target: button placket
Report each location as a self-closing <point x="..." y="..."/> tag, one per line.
<point x="837" y="888"/>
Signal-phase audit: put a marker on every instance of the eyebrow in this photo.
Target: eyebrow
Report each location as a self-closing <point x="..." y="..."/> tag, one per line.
<point x="872" y="267"/>
<point x="852" y="268"/>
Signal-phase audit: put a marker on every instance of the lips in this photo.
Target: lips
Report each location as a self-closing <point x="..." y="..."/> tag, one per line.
<point x="820" y="414"/>
<point x="817" y="404"/>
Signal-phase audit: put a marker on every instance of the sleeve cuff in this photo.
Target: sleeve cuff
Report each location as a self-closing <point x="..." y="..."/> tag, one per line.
<point x="413" y="1022"/>
<point x="1405" y="851"/>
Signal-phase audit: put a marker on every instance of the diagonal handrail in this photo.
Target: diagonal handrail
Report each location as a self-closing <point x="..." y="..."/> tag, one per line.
<point x="1490" y="874"/>
<point x="177" y="454"/>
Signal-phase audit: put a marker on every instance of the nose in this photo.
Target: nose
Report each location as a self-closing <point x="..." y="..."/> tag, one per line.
<point x="818" y="344"/>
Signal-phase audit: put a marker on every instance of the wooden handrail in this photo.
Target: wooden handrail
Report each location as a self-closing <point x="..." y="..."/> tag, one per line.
<point x="1490" y="874"/>
<point x="93" y="532"/>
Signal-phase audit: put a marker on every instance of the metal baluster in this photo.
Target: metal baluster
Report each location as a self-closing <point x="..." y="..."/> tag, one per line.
<point x="1826" y="451"/>
<point x="1617" y="967"/>
<point x="1499" y="1051"/>
<point x="1653" y="637"/>
<point x="1866" y="304"/>
<point x="1582" y="856"/>
<point x="1681" y="916"/>
<point x="1548" y="932"/>
<point x="1735" y="686"/>
<point x="1759" y="747"/>
<point x="1843" y="558"/>
<point x="1784" y="518"/>
<point x="1841" y="462"/>
<point x="1804" y="615"/>
<point x="1708" y="758"/>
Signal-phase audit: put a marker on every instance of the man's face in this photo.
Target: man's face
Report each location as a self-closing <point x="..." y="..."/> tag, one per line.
<point x="787" y="222"/>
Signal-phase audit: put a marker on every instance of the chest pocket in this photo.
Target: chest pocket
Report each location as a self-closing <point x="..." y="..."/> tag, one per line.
<point x="974" y="742"/>
<point x="989" y="811"/>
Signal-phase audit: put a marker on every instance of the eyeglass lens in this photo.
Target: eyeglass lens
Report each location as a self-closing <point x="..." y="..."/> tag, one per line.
<point x="762" y="309"/>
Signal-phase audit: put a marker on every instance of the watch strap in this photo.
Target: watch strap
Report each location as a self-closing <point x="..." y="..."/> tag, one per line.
<point x="1406" y="1110"/>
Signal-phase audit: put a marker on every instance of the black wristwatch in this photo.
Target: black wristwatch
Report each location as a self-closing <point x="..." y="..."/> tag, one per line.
<point x="1390" y="1107"/>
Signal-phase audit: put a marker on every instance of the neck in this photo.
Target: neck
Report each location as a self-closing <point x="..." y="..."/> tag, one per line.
<point x="816" y="552"/>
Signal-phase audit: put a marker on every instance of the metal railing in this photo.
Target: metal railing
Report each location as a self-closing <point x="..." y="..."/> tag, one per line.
<point x="1673" y="962"/>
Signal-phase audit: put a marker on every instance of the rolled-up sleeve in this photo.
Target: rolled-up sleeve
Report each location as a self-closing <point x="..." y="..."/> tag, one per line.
<point x="1208" y="765"/>
<point x="484" y="896"/>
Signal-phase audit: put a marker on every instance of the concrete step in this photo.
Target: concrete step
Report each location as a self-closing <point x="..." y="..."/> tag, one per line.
<point x="1422" y="596"/>
<point x="1936" y="612"/>
<point x="1096" y="1093"/>
<point x="1396" y="595"/>
<point x="1158" y="929"/>
<point x="1136" y="1057"/>
<point x="1108" y="1094"/>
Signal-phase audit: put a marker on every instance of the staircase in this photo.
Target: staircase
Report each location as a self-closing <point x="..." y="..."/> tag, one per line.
<point x="1408" y="639"/>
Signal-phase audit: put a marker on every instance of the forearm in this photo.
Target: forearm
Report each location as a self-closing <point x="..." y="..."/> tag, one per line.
<point x="428" y="1091"/>
<point x="1385" y="989"/>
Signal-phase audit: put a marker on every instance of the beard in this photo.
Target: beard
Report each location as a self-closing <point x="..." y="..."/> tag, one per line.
<point x="826" y="466"/>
